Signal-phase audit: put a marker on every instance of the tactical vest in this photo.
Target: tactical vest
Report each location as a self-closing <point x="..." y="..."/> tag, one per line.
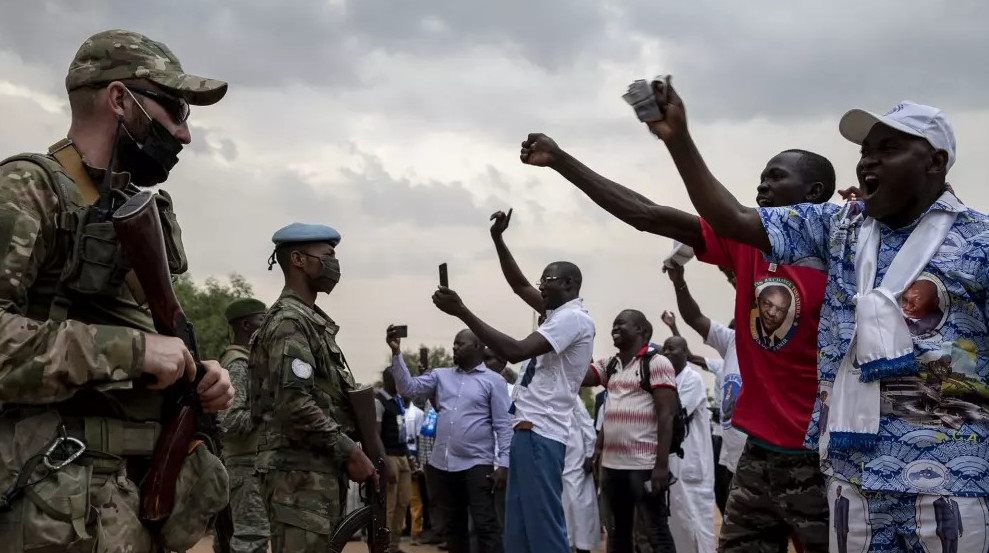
<point x="391" y="432"/>
<point x="234" y="446"/>
<point x="85" y="277"/>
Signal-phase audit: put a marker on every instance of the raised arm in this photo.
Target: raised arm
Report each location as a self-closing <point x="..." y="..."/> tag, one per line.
<point x="503" y="345"/>
<point x="670" y="320"/>
<point x="689" y="310"/>
<point x="408" y="385"/>
<point x="712" y="200"/>
<point x="631" y="207"/>
<point x="520" y="285"/>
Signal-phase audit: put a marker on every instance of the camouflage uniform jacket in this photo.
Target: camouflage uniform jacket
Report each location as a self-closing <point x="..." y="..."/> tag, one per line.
<point x="100" y="344"/>
<point x="239" y="447"/>
<point x="300" y="381"/>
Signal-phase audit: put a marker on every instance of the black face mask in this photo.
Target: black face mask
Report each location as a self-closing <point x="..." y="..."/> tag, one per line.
<point x="329" y="274"/>
<point x="148" y="161"/>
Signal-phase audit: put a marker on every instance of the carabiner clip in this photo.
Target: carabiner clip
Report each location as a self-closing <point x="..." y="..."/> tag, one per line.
<point x="68" y="446"/>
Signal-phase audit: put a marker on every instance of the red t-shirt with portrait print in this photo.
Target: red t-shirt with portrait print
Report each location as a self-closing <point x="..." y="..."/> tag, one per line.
<point x="777" y="309"/>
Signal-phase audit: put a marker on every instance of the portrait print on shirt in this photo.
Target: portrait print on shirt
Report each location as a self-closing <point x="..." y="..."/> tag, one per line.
<point x="730" y="388"/>
<point x="775" y="313"/>
<point x="925" y="305"/>
<point x="946" y="391"/>
<point x="851" y="531"/>
<point x="947" y="524"/>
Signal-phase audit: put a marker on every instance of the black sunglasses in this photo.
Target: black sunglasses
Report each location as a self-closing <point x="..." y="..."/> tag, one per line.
<point x="178" y="108"/>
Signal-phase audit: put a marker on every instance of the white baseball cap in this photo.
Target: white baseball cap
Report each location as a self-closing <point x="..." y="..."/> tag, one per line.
<point x="912" y="118"/>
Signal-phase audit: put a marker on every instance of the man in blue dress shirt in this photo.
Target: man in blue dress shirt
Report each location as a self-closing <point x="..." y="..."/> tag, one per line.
<point x="472" y="424"/>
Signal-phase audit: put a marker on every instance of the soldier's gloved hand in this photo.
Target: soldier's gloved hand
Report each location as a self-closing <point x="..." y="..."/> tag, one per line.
<point x="166" y="359"/>
<point x="215" y="390"/>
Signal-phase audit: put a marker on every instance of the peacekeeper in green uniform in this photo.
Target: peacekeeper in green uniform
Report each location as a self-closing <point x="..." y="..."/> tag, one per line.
<point x="239" y="446"/>
<point x="299" y="392"/>
<point x="81" y="367"/>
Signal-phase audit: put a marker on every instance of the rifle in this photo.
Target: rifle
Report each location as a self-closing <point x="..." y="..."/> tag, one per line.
<point x="374" y="514"/>
<point x="139" y="232"/>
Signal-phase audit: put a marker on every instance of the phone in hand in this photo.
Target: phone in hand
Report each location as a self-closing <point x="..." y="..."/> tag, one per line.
<point x="400" y="331"/>
<point x="444" y="278"/>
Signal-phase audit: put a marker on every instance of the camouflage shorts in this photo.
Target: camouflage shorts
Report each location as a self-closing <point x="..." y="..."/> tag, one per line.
<point x="774" y="495"/>
<point x="303" y="509"/>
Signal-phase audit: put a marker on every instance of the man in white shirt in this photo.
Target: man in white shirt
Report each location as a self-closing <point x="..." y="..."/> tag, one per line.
<point x="692" y="498"/>
<point x="561" y="352"/>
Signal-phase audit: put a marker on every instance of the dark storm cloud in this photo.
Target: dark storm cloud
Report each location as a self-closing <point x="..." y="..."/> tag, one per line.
<point x="740" y="60"/>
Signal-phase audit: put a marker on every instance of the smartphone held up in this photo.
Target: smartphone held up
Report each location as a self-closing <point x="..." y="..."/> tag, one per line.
<point x="444" y="277"/>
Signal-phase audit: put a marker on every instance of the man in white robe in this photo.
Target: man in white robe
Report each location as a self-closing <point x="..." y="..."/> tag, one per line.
<point x="580" y="503"/>
<point x="692" y="496"/>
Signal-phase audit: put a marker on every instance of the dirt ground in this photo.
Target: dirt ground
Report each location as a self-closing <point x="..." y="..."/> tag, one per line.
<point x="206" y="546"/>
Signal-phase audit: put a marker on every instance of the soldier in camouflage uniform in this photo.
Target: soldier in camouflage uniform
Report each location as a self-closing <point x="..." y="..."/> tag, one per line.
<point x="299" y="387"/>
<point x="239" y="449"/>
<point x="81" y="367"/>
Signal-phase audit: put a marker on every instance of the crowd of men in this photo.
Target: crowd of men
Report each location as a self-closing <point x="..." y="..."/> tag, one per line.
<point x="852" y="386"/>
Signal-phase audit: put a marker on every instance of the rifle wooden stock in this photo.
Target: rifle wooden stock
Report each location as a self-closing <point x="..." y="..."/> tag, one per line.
<point x="139" y="233"/>
<point x="362" y="402"/>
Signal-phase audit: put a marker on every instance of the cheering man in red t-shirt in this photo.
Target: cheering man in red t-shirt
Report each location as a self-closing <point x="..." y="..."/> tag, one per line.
<point x="778" y="488"/>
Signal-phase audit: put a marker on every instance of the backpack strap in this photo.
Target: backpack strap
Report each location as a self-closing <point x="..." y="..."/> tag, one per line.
<point x="645" y="375"/>
<point x="612" y="367"/>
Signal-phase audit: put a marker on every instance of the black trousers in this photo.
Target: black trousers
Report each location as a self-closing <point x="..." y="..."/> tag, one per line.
<point x="463" y="493"/>
<point x="624" y="491"/>
<point x="722" y="477"/>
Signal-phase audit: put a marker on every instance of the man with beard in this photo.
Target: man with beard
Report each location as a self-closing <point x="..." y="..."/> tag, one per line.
<point x="905" y="223"/>
<point x="473" y="439"/>
<point x="781" y="380"/>
<point x="239" y="451"/>
<point x="82" y="367"/>
<point x="299" y="386"/>
<point x="636" y="435"/>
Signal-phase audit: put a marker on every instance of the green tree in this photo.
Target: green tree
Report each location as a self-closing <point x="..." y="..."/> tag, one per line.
<point x="204" y="306"/>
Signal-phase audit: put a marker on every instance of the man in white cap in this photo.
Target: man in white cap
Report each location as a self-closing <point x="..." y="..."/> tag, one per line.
<point x="891" y="459"/>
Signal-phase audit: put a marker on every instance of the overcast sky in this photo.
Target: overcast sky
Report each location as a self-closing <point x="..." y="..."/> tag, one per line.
<point x="399" y="123"/>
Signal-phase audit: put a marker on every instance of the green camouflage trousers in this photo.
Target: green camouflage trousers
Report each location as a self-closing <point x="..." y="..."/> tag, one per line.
<point x="248" y="509"/>
<point x="774" y="495"/>
<point x="303" y="509"/>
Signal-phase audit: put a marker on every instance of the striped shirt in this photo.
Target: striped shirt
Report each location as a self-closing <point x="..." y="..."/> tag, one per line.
<point x="629" y="414"/>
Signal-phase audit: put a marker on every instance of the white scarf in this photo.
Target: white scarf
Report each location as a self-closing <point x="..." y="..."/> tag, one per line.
<point x="881" y="344"/>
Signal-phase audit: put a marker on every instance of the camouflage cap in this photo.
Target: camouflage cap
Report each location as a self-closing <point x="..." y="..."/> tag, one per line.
<point x="119" y="55"/>
<point x="244" y="307"/>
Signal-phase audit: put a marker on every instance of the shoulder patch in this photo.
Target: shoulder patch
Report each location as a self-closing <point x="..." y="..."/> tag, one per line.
<point x="301" y="369"/>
